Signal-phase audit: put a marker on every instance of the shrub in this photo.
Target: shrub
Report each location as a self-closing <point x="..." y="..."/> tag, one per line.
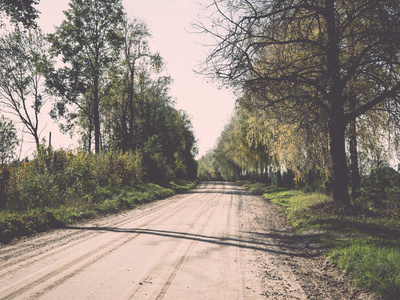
<point x="57" y="177"/>
<point x="381" y="190"/>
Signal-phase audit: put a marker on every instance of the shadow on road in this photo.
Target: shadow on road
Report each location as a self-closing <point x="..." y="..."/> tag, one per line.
<point x="264" y="241"/>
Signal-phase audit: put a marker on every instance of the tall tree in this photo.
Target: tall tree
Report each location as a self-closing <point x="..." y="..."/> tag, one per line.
<point x="137" y="58"/>
<point x="300" y="57"/>
<point x="23" y="60"/>
<point x="88" y="42"/>
<point x="20" y="11"/>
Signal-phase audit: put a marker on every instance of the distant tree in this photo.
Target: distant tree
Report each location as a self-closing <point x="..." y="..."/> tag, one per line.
<point x="23" y="60"/>
<point x="207" y="167"/>
<point x="8" y="140"/>
<point x="20" y="11"/>
<point x="88" y="43"/>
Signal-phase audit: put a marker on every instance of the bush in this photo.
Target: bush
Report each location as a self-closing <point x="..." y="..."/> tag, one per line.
<point x="59" y="177"/>
<point x="381" y="191"/>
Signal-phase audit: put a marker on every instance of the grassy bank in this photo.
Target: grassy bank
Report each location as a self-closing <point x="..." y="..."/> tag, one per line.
<point x="104" y="200"/>
<point x="363" y="243"/>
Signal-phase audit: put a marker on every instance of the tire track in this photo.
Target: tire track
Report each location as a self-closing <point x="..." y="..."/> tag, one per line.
<point x="151" y="276"/>
<point x="219" y="221"/>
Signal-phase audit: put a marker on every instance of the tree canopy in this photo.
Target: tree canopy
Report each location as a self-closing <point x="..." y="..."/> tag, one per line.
<point x="87" y="42"/>
<point x="300" y="60"/>
<point x="20" y="11"/>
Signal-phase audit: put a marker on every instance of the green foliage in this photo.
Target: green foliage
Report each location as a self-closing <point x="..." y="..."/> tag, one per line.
<point x="182" y="185"/>
<point x="256" y="146"/>
<point x="381" y="191"/>
<point x="88" y="42"/>
<point x="311" y="69"/>
<point x="19" y="224"/>
<point x="8" y="140"/>
<point x="20" y="11"/>
<point x="57" y="177"/>
<point x="372" y="266"/>
<point x="207" y="167"/>
<point x="59" y="187"/>
<point x="4" y="182"/>
<point x="255" y="187"/>
<point x="137" y="112"/>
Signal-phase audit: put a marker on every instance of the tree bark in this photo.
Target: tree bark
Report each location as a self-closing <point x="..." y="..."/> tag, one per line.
<point x="96" y="129"/>
<point x="37" y="141"/>
<point x="336" y="117"/>
<point x="339" y="183"/>
<point x="131" y="108"/>
<point x="96" y="117"/>
<point x="279" y="178"/>
<point x="354" y="171"/>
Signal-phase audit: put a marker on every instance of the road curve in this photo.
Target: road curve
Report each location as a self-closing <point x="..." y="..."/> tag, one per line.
<point x="212" y="243"/>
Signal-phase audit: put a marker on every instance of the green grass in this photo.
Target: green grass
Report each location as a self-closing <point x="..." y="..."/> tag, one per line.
<point x="371" y="265"/>
<point x="366" y="245"/>
<point x="105" y="200"/>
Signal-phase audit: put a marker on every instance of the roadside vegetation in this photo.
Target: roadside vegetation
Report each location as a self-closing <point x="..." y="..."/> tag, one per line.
<point x="363" y="241"/>
<point x="60" y="187"/>
<point x="99" y="80"/>
<point x="316" y="121"/>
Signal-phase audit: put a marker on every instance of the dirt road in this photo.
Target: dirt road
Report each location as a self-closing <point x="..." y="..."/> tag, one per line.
<point x="217" y="242"/>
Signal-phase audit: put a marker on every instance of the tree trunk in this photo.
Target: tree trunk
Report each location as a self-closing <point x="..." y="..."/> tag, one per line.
<point x="279" y="178"/>
<point x="336" y="120"/>
<point x="354" y="171"/>
<point x="124" y="130"/>
<point x="96" y="116"/>
<point x="37" y="140"/>
<point x="89" y="140"/>
<point x="96" y="120"/>
<point x="131" y="115"/>
<point x="131" y="105"/>
<point x="339" y="183"/>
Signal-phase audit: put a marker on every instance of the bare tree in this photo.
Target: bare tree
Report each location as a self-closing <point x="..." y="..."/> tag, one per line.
<point x="22" y="61"/>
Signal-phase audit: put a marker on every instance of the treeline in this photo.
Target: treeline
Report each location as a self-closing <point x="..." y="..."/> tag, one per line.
<point x="101" y="82"/>
<point x="255" y="147"/>
<point x="319" y="90"/>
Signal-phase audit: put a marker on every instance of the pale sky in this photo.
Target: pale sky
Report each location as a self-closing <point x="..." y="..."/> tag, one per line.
<point x="170" y="23"/>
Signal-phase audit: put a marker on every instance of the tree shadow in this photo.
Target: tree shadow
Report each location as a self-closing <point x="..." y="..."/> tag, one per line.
<point x="256" y="241"/>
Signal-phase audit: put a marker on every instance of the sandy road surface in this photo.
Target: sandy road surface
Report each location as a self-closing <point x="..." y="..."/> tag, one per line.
<point x="217" y="242"/>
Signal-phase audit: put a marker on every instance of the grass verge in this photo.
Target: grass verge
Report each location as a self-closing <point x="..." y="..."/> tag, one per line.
<point x="105" y="200"/>
<point x="364" y="244"/>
